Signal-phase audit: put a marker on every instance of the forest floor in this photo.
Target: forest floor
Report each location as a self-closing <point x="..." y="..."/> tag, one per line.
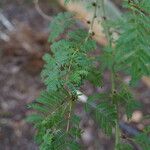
<point x="20" y="82"/>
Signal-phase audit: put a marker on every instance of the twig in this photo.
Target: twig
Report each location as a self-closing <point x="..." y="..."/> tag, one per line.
<point x="128" y="129"/>
<point x="37" y="7"/>
<point x="94" y="16"/>
<point x="6" y="22"/>
<point x="68" y="122"/>
<point x="93" y="20"/>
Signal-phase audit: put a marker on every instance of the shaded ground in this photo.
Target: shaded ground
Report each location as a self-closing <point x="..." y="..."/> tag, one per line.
<point x="20" y="83"/>
<point x="20" y="66"/>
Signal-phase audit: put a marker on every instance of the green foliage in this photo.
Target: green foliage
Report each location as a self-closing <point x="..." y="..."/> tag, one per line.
<point x="125" y="100"/>
<point x="95" y="77"/>
<point x="69" y="64"/>
<point x="133" y="47"/>
<point x="50" y="120"/>
<point x="67" y="1"/>
<point x="104" y="113"/>
<point x="124" y="146"/>
<point x="60" y="24"/>
<point x="107" y="55"/>
<point x="47" y="141"/>
<point x="66" y="67"/>
<point x="143" y="140"/>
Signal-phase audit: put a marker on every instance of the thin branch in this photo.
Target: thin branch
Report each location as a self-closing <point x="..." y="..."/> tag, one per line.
<point x="37" y="7"/>
<point x="106" y="29"/>
<point x="6" y="22"/>
<point x="94" y="16"/>
<point x="69" y="116"/>
<point x="95" y="5"/>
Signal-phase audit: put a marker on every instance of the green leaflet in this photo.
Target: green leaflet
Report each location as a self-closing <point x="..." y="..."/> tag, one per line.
<point x="47" y="141"/>
<point x="34" y="118"/>
<point x="123" y="146"/>
<point x="95" y="76"/>
<point x="60" y="23"/>
<point x="67" y="1"/>
<point x="104" y="113"/>
<point x="143" y="140"/>
<point x="78" y="38"/>
<point x="69" y="61"/>
<point x="132" y="47"/>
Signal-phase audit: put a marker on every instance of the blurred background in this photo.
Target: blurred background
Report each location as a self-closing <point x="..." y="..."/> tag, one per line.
<point x="24" y="29"/>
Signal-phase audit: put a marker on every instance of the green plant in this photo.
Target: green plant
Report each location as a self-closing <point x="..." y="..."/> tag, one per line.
<point x="69" y="63"/>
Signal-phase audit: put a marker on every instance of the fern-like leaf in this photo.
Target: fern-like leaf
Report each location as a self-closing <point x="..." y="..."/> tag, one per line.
<point x="60" y="23"/>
